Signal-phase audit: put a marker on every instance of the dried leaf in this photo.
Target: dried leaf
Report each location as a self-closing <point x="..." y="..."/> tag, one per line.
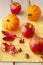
<point x="21" y="41"/>
<point x="8" y="33"/>
<point x="10" y="48"/>
<point x="27" y="56"/>
<point x="8" y="38"/>
<point x="20" y="50"/>
<point x="41" y="57"/>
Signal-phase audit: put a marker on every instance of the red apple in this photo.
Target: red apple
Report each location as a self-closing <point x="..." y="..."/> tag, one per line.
<point x="15" y="7"/>
<point x="36" y="44"/>
<point x="27" y="30"/>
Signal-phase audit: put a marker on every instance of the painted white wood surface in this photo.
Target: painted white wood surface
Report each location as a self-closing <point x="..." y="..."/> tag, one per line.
<point x="5" y="63"/>
<point x="4" y="10"/>
<point x="28" y="64"/>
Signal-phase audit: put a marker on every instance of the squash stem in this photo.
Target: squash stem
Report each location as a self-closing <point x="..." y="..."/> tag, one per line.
<point x="29" y="14"/>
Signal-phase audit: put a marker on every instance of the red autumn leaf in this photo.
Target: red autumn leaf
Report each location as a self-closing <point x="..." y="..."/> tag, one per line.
<point x="5" y="44"/>
<point x="8" y="38"/>
<point x="21" y="41"/>
<point x="10" y="48"/>
<point x="8" y="33"/>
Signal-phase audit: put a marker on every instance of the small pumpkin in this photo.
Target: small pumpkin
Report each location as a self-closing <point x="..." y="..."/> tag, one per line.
<point x="33" y="12"/>
<point x="11" y="22"/>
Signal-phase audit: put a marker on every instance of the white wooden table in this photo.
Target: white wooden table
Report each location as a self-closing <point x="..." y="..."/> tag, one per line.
<point x="4" y="10"/>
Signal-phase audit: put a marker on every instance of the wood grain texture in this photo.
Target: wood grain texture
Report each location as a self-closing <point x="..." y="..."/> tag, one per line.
<point x="27" y="63"/>
<point x="5" y="63"/>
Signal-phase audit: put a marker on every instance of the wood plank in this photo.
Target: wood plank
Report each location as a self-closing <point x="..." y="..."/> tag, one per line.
<point x="28" y="64"/>
<point x="5" y="63"/>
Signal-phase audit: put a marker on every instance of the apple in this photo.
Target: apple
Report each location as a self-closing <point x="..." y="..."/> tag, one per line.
<point x="27" y="30"/>
<point x="15" y="7"/>
<point x="36" y="44"/>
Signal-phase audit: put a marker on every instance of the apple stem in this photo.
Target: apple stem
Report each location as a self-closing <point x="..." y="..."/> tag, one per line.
<point x="11" y="1"/>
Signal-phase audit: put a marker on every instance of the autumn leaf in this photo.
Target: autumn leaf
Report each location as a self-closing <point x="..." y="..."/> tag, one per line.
<point x="10" y="48"/>
<point x="8" y="33"/>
